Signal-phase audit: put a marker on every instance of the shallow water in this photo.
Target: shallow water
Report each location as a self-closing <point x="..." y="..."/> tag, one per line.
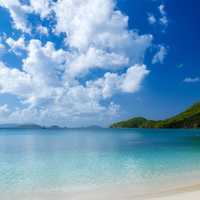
<point x="52" y="160"/>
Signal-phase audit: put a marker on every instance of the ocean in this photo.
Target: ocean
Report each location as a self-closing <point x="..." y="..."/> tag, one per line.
<point x="54" y="160"/>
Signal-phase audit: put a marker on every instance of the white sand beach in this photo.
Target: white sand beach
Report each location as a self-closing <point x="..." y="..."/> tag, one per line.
<point x="190" y="193"/>
<point x="184" y="193"/>
<point x="185" y="196"/>
<point x="129" y="193"/>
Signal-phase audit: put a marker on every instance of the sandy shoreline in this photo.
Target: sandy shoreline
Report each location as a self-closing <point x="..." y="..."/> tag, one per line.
<point x="185" y="196"/>
<point x="186" y="187"/>
<point x="182" y="193"/>
<point x="187" y="193"/>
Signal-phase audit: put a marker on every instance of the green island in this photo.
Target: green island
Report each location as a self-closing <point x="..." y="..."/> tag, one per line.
<point x="190" y="118"/>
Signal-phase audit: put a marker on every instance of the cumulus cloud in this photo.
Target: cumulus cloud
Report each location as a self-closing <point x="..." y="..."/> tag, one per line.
<point x="100" y="39"/>
<point x="41" y="7"/>
<point x="14" y="81"/>
<point x="44" y="62"/>
<point x="103" y="27"/>
<point x="46" y="87"/>
<point x="19" y="12"/>
<point x="160" y="55"/>
<point x="112" y="83"/>
<point x="96" y="58"/>
<point x="82" y="20"/>
<point x="55" y="85"/>
<point x="133" y="78"/>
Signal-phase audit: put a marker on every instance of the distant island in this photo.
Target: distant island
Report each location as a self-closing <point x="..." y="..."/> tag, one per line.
<point x="187" y="119"/>
<point x="36" y="126"/>
<point x="26" y="126"/>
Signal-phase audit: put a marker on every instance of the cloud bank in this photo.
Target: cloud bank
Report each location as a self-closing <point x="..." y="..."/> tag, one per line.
<point x="55" y="85"/>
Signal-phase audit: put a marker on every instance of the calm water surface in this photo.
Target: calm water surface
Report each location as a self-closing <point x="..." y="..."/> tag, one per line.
<point x="56" y="159"/>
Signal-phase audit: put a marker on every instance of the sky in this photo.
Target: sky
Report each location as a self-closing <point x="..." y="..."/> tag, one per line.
<point x="92" y="62"/>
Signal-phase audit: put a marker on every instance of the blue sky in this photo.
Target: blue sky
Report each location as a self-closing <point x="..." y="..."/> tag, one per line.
<point x="76" y="63"/>
<point x="165" y="91"/>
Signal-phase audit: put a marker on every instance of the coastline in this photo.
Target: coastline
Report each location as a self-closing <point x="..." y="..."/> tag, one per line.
<point x="156" y="191"/>
<point x="192" y="193"/>
<point x="186" y="193"/>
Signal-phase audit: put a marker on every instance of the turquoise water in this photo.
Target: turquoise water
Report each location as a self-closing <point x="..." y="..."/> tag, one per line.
<point x="57" y="159"/>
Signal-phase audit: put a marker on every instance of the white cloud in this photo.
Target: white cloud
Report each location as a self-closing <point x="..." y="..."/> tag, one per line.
<point x="163" y="20"/>
<point x="112" y="83"/>
<point x="52" y="96"/>
<point x="81" y="20"/>
<point x="102" y="28"/>
<point x="96" y="58"/>
<point x="14" y="81"/>
<point x="133" y="78"/>
<point x="152" y="19"/>
<point x="43" y="62"/>
<point x="42" y="30"/>
<point x="50" y="82"/>
<point x="41" y="7"/>
<point x="192" y="80"/>
<point x="16" y="45"/>
<point x="18" y="13"/>
<point x="100" y="39"/>
<point x="160" y="55"/>
<point x="162" y="9"/>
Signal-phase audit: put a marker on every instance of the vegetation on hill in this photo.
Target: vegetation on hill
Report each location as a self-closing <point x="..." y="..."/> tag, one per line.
<point x="187" y="119"/>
